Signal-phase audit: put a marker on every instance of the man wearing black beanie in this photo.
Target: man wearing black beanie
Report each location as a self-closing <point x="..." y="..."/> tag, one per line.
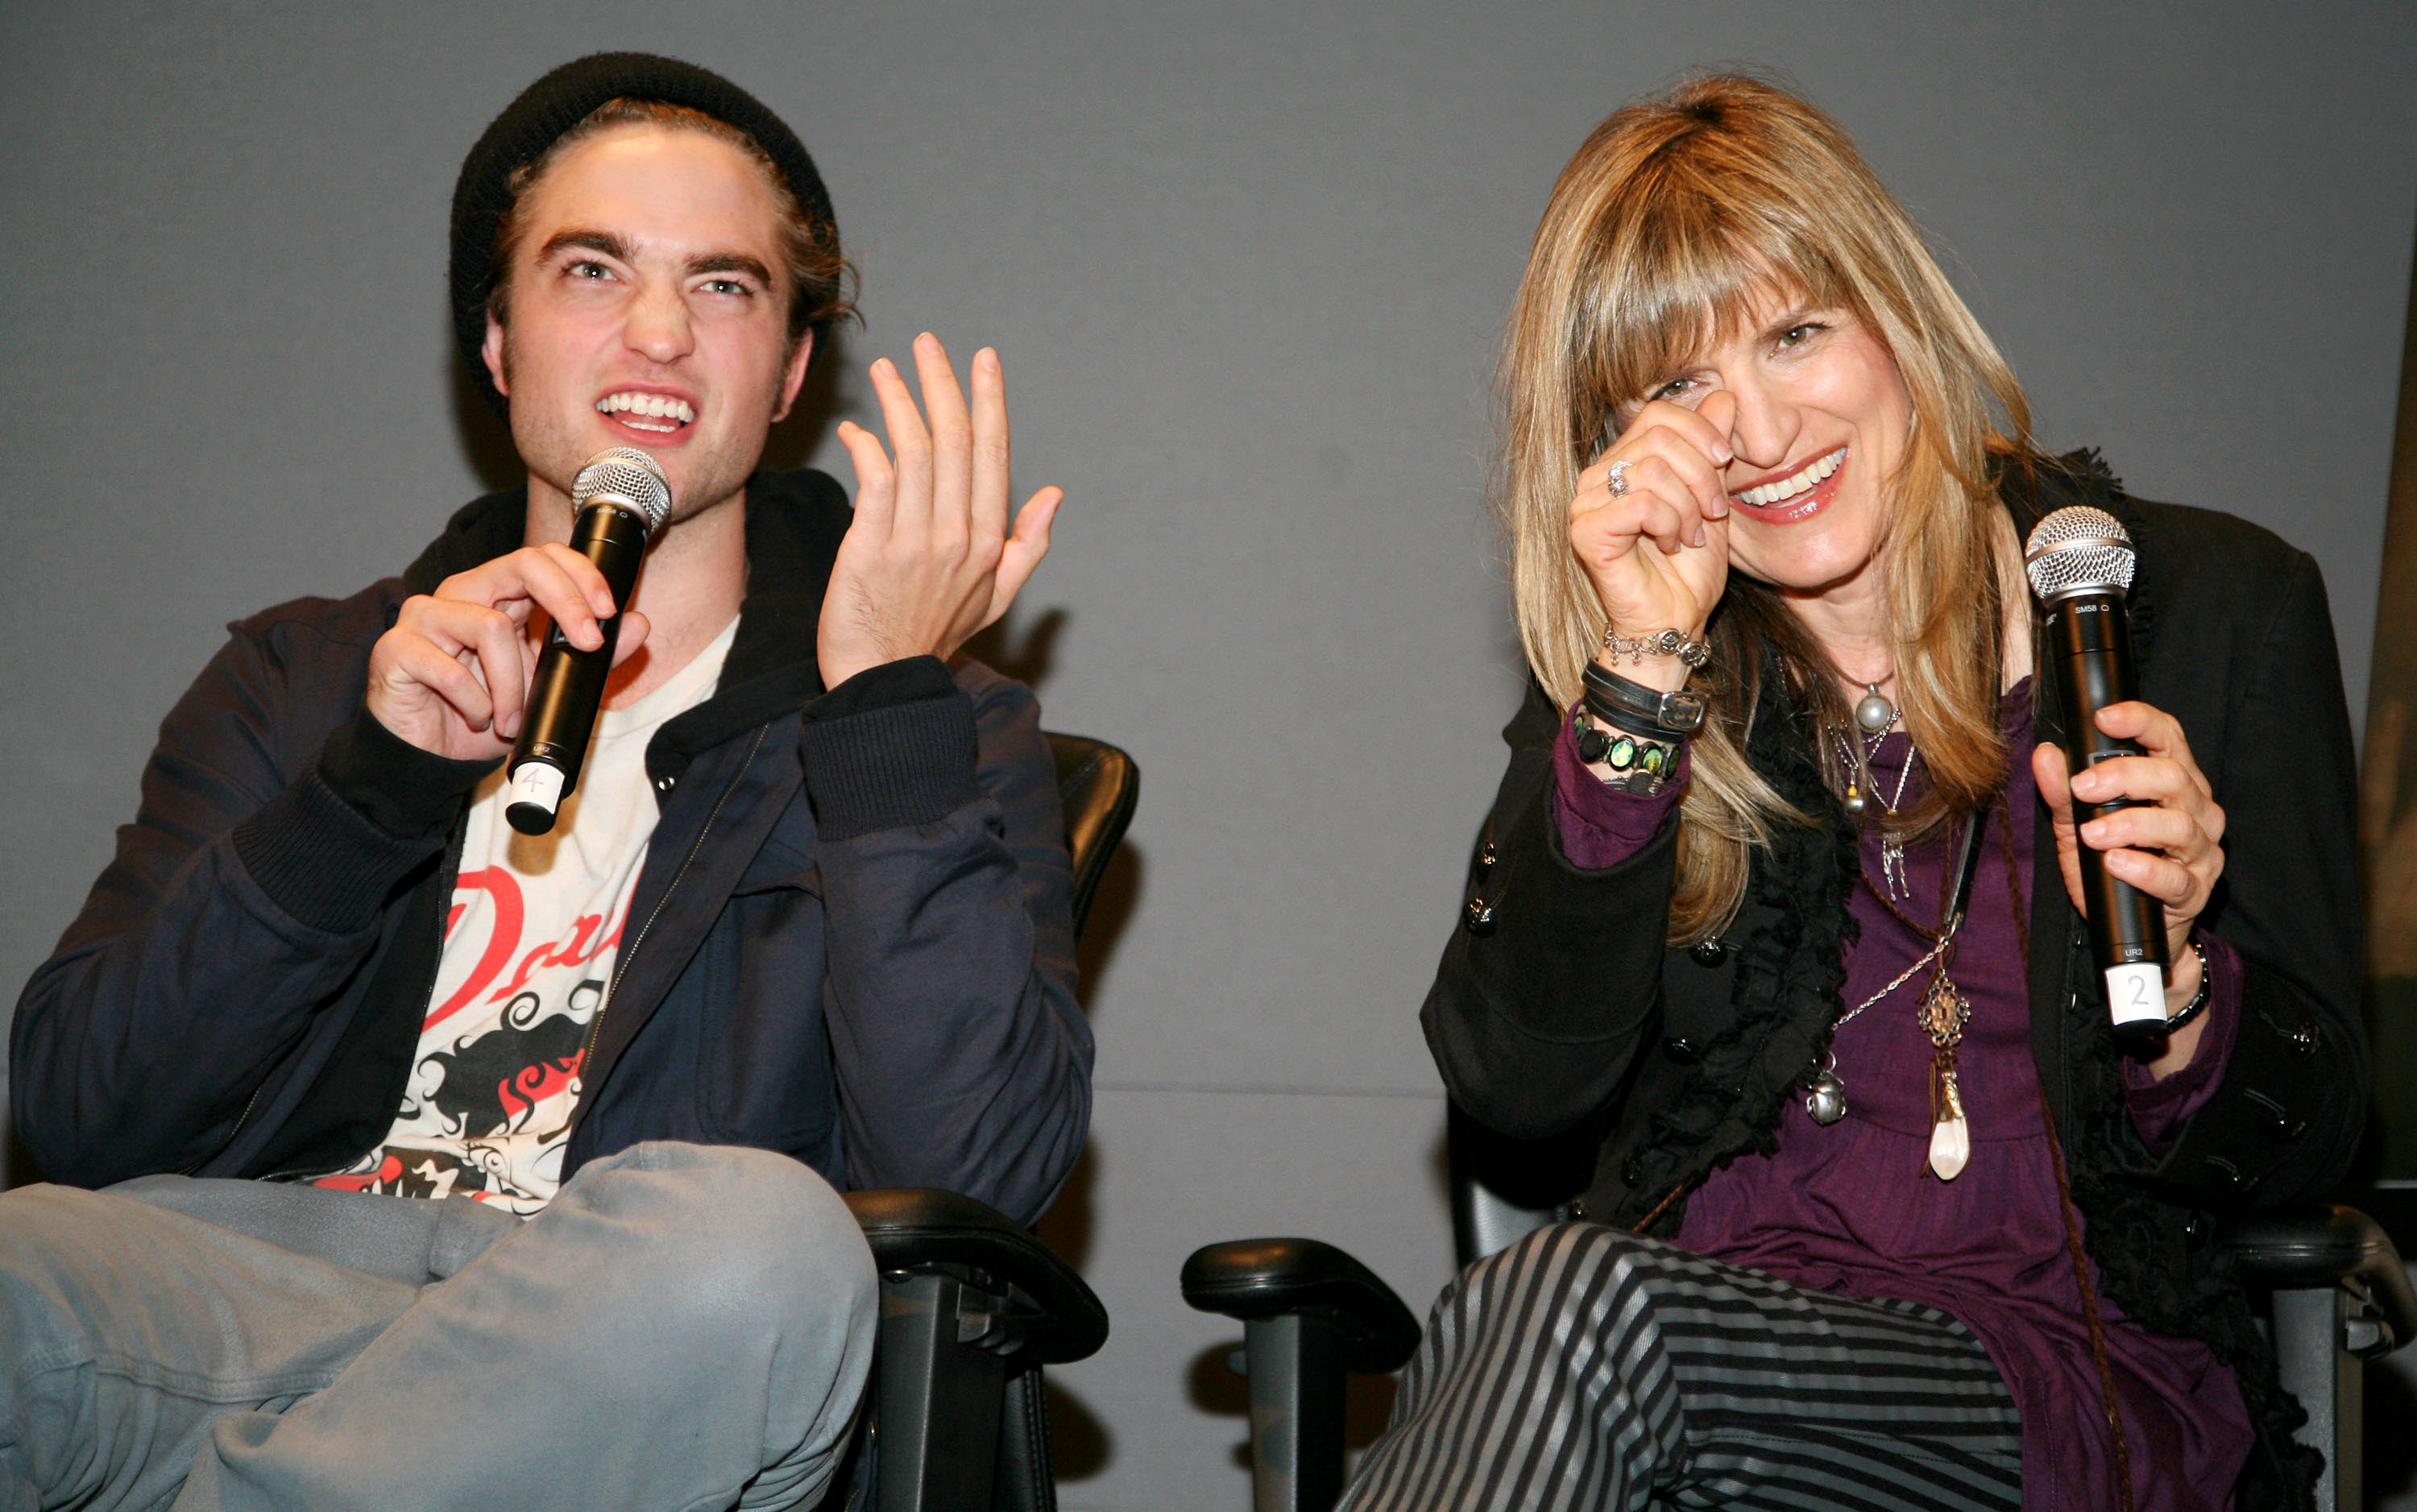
<point x="408" y="1161"/>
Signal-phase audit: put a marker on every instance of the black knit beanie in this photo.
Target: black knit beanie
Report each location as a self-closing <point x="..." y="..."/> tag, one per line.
<point x="553" y="105"/>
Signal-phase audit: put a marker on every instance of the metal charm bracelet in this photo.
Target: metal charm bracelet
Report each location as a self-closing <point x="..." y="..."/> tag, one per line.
<point x="1662" y="643"/>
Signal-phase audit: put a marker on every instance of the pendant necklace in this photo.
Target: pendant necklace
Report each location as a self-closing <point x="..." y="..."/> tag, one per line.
<point x="1876" y="716"/>
<point x="1943" y="1013"/>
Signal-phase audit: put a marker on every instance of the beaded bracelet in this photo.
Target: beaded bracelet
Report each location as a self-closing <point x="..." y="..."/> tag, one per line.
<point x="1639" y="764"/>
<point x="2198" y="1004"/>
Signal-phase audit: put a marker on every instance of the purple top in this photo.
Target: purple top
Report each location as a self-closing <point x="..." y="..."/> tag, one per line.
<point x="1854" y="1209"/>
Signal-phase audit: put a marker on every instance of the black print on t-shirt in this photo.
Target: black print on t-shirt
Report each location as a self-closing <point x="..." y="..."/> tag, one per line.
<point x="492" y="1083"/>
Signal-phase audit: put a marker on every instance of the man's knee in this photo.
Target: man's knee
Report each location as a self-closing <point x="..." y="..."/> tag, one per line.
<point x="727" y="1234"/>
<point x="49" y="1236"/>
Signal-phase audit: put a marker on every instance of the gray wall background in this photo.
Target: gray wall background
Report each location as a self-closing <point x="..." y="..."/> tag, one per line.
<point x="1246" y="264"/>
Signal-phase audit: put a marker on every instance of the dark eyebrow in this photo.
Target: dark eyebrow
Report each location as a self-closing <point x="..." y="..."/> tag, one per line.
<point x="731" y="263"/>
<point x="594" y="241"/>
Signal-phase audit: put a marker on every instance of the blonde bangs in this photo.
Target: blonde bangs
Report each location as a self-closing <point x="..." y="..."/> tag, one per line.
<point x="1676" y="270"/>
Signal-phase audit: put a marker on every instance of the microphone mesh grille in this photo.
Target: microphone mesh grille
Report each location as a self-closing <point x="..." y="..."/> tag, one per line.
<point x="625" y="473"/>
<point x="2078" y="549"/>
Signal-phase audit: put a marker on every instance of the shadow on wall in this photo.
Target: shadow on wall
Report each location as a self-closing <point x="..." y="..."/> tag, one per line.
<point x="1079" y="1444"/>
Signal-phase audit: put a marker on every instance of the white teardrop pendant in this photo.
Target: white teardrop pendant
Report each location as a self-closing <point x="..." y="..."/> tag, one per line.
<point x="1951" y="1135"/>
<point x="1951" y="1148"/>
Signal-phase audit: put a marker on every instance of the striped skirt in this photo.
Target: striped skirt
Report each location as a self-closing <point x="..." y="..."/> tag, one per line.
<point x="1585" y="1368"/>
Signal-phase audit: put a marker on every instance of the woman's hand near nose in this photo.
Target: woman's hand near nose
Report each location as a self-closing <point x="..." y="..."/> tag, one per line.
<point x="1657" y="552"/>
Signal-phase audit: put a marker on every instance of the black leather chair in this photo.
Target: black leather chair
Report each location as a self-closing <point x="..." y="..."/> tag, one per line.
<point x="972" y="1304"/>
<point x="2339" y="1296"/>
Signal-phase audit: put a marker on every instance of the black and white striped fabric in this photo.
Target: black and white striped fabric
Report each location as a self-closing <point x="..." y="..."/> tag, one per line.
<point x="1585" y="1368"/>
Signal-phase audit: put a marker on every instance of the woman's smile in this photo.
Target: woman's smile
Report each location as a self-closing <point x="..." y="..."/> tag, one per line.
<point x="1794" y="496"/>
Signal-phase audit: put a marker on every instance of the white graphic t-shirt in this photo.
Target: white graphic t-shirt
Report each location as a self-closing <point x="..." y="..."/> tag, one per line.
<point x="535" y="926"/>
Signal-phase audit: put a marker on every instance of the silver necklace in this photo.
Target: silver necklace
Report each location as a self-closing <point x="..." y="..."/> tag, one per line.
<point x="1878" y="717"/>
<point x="1874" y="714"/>
<point x="1826" y="1098"/>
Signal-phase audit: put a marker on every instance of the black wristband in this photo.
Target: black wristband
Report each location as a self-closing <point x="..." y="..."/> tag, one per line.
<point x="1621" y="701"/>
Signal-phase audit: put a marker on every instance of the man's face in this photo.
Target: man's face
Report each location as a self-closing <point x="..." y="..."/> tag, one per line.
<point x="648" y="309"/>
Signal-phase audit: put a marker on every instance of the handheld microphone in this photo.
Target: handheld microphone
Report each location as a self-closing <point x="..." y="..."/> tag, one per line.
<point x="621" y="496"/>
<point x="2079" y="561"/>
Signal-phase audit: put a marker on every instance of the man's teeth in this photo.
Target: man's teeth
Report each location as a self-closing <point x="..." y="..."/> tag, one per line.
<point x="638" y="409"/>
<point x="1787" y="488"/>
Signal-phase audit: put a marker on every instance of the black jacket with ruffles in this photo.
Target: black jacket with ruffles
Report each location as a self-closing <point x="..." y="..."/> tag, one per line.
<point x="1559" y="1009"/>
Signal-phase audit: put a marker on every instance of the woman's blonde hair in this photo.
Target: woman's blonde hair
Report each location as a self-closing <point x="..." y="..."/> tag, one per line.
<point x="1680" y="215"/>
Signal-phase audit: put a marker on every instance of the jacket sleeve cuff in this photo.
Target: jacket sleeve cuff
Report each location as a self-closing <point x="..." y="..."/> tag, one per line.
<point x="891" y="747"/>
<point x="2277" y="1078"/>
<point x="330" y="847"/>
<point x="407" y="793"/>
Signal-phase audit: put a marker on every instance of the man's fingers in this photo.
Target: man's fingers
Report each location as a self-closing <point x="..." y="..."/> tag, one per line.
<point x="568" y="588"/>
<point x="503" y="657"/>
<point x="553" y="577"/>
<point x="991" y="449"/>
<point x="952" y="431"/>
<point x="1025" y="549"/>
<point x="876" y="481"/>
<point x="911" y="506"/>
<point x="586" y="576"/>
<point x="423" y="663"/>
<point x="632" y="634"/>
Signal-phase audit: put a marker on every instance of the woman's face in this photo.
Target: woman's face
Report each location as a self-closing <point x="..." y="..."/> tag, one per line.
<point x="1821" y="423"/>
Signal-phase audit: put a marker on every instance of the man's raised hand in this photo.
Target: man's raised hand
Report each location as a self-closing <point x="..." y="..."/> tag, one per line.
<point x="451" y="676"/>
<point x="929" y="559"/>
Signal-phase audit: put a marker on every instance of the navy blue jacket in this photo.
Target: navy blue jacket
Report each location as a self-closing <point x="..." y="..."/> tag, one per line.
<point x="850" y="942"/>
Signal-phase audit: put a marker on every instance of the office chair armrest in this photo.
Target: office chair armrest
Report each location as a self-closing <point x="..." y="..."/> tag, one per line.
<point x="1258" y="1278"/>
<point x="914" y="1228"/>
<point x="2312" y="1245"/>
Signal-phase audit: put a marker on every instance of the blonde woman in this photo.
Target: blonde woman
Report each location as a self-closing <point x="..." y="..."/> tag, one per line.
<point x="1883" y="1215"/>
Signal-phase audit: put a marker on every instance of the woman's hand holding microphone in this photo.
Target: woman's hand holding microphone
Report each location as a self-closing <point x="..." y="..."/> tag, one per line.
<point x="1656" y="548"/>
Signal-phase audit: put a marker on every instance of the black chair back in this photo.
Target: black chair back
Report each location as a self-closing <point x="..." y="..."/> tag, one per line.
<point x="1097" y="786"/>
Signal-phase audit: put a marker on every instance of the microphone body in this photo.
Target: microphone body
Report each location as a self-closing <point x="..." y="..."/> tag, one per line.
<point x="621" y="497"/>
<point x="2086" y="651"/>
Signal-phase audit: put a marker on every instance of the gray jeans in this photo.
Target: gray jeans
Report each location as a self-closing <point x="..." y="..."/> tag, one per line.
<point x="686" y="1326"/>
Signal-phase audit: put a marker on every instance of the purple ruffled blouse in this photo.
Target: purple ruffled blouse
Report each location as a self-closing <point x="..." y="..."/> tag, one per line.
<point x="1854" y="1209"/>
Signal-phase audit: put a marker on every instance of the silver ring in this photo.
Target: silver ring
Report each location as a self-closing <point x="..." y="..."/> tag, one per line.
<point x="1617" y="479"/>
